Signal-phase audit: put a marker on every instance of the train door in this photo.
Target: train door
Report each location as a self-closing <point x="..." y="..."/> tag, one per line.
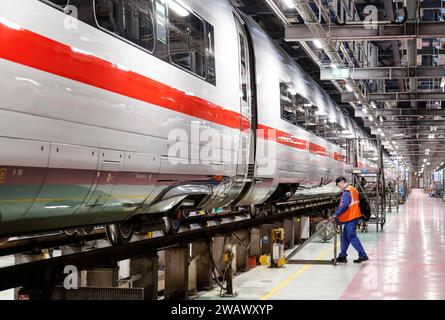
<point x="231" y="193"/>
<point x="107" y="177"/>
<point x="244" y="149"/>
<point x="110" y="165"/>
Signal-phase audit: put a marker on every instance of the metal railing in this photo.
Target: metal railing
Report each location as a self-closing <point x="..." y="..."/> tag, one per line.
<point x="327" y="224"/>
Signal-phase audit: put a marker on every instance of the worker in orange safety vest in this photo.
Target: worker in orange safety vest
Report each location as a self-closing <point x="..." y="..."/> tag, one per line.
<point x="348" y="214"/>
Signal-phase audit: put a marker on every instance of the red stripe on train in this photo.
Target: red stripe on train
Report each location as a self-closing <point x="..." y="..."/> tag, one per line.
<point x="271" y="134"/>
<point x="339" y="157"/>
<point x="316" y="149"/>
<point x="36" y="51"/>
<point x="62" y="60"/>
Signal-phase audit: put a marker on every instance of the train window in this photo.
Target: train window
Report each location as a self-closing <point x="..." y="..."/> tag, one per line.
<point x="82" y="10"/>
<point x="313" y="119"/>
<point x="242" y="46"/>
<point x="161" y="22"/>
<point x="211" y="68"/>
<point x="292" y="105"/>
<point x="334" y="133"/>
<point x="301" y="103"/>
<point x="325" y="128"/>
<point x="130" y="19"/>
<point x="186" y="39"/>
<point x="287" y="103"/>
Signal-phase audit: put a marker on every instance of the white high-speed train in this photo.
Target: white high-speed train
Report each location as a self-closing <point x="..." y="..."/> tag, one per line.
<point x="108" y="108"/>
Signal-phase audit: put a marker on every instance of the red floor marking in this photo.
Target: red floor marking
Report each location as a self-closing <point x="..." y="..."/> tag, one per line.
<point x="409" y="260"/>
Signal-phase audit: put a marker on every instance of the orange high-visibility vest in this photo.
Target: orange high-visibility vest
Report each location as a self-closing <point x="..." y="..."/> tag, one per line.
<point x="353" y="212"/>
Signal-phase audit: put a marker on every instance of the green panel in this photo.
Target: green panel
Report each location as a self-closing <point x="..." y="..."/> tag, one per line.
<point x="18" y="189"/>
<point x="54" y="205"/>
<point x="14" y="201"/>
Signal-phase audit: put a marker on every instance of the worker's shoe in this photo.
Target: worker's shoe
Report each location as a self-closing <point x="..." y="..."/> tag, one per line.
<point x="340" y="260"/>
<point x="360" y="260"/>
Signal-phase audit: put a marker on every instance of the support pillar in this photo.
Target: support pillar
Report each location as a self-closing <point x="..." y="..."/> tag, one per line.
<point x="289" y="236"/>
<point x="296" y="221"/>
<point x="105" y="277"/>
<point x="145" y="272"/>
<point x="201" y="251"/>
<point x="241" y="239"/>
<point x="255" y="242"/>
<point x="192" y="277"/>
<point x="26" y="258"/>
<point x="305" y="227"/>
<point x="219" y="243"/>
<point x="176" y="273"/>
<point x="266" y="247"/>
<point x="67" y="250"/>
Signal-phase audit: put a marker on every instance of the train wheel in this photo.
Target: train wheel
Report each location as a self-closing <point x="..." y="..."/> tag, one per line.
<point x="173" y="222"/>
<point x="119" y="233"/>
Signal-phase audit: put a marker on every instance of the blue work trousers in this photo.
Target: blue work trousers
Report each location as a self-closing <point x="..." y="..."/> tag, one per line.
<point x="349" y="236"/>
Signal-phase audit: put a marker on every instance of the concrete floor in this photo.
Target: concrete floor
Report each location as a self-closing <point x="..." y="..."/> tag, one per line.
<point x="407" y="261"/>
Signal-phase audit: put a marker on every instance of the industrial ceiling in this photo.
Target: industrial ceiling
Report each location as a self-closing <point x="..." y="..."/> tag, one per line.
<point x="382" y="61"/>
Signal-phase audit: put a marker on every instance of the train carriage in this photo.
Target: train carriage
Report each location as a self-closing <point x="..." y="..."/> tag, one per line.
<point x="113" y="111"/>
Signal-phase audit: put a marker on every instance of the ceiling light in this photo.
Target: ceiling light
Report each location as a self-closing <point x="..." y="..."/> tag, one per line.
<point x="289" y="3"/>
<point x="318" y="44"/>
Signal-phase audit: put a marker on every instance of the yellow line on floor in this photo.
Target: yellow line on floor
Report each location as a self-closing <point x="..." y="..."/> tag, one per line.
<point x="292" y="277"/>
